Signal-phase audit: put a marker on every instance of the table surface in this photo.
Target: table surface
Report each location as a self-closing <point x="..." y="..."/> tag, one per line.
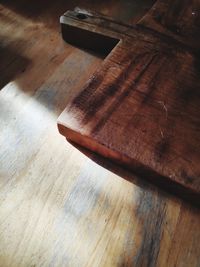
<point x="59" y="207"/>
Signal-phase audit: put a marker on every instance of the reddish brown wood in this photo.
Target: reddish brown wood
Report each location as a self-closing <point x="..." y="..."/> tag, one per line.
<point x="177" y="18"/>
<point x="141" y="108"/>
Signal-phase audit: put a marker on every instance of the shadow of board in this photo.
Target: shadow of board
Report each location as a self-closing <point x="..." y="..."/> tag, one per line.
<point x="11" y="64"/>
<point x="163" y="187"/>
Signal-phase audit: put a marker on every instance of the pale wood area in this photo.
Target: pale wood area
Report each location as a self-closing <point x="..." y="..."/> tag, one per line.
<point x="57" y="206"/>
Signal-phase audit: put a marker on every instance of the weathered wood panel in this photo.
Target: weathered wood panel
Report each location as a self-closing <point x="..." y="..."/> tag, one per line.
<point x="141" y="108"/>
<point x="179" y="19"/>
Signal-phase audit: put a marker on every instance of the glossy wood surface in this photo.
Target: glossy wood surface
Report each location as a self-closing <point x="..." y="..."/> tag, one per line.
<point x="141" y="108"/>
<point x="57" y="206"/>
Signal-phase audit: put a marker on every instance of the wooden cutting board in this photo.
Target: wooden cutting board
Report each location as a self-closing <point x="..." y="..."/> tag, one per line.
<point x="142" y="107"/>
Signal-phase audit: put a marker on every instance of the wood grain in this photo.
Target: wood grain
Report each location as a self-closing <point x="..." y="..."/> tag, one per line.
<point x="178" y="19"/>
<point x="141" y="107"/>
<point x="57" y="206"/>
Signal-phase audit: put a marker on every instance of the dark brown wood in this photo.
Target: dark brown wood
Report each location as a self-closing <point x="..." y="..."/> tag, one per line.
<point x="141" y="108"/>
<point x="177" y="18"/>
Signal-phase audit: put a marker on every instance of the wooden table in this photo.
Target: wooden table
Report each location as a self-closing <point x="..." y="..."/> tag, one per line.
<point x="59" y="207"/>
